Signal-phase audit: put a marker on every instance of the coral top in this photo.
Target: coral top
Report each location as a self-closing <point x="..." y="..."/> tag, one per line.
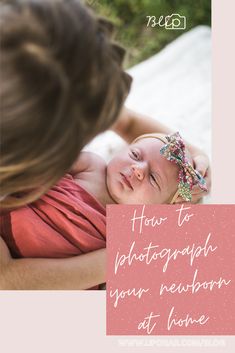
<point x="66" y="221"/>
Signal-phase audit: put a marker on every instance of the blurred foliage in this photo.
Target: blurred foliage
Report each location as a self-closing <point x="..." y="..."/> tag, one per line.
<point x="130" y="19"/>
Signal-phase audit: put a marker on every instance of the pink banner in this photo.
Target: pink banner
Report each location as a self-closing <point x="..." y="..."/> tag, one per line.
<point x="170" y="270"/>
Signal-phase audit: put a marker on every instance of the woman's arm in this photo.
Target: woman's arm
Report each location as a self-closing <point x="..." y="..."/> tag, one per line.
<point x="78" y="272"/>
<point x="130" y="125"/>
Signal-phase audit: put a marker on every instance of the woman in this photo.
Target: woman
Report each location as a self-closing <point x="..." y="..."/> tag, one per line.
<point x="61" y="84"/>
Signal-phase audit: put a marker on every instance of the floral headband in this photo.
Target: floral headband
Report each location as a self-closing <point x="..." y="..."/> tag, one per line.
<point x="174" y="151"/>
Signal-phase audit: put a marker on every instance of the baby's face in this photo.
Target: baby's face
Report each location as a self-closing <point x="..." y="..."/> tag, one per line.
<point x="141" y="175"/>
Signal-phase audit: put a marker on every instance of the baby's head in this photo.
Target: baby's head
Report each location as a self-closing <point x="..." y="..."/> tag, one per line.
<point x="146" y="172"/>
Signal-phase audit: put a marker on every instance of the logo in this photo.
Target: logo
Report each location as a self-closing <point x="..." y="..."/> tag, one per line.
<point x="174" y="21"/>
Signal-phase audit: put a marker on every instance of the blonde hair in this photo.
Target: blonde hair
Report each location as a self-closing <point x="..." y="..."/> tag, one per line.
<point x="61" y="83"/>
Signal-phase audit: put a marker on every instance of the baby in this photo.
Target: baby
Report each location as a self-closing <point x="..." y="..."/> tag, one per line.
<point x="153" y="169"/>
<point x="70" y="219"/>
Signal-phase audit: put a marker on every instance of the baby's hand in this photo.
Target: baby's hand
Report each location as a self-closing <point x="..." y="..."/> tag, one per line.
<point x="201" y="164"/>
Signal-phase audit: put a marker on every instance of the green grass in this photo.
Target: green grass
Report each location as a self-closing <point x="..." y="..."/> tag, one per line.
<point x="130" y="19"/>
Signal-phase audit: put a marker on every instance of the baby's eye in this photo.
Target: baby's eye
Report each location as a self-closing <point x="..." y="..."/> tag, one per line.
<point x="153" y="180"/>
<point x="135" y="155"/>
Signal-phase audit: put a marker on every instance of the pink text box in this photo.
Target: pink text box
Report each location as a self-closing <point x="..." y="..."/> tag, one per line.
<point x="170" y="270"/>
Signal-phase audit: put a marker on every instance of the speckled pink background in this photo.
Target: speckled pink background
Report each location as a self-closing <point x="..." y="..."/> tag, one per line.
<point x="218" y="304"/>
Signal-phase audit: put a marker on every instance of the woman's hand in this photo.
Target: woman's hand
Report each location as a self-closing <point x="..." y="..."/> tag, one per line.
<point x="202" y="165"/>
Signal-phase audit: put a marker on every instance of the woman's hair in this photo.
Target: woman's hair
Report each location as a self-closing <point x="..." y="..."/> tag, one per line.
<point x="61" y="83"/>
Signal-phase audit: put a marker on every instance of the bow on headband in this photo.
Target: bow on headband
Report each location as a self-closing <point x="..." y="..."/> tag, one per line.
<point x="174" y="151"/>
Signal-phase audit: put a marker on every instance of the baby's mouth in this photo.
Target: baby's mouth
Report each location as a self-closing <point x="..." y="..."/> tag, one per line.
<point x="126" y="181"/>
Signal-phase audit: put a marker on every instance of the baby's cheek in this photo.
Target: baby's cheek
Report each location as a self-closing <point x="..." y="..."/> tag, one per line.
<point x="151" y="196"/>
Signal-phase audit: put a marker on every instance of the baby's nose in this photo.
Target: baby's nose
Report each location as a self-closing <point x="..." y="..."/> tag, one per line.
<point x="139" y="170"/>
